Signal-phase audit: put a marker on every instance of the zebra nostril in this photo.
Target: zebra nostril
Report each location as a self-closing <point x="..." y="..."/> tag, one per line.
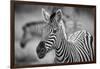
<point x="42" y="50"/>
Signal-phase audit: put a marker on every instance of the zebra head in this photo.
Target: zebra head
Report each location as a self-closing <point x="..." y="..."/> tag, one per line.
<point x="50" y="32"/>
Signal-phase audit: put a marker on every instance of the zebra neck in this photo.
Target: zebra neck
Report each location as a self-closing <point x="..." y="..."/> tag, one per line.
<point x="63" y="28"/>
<point x="64" y="52"/>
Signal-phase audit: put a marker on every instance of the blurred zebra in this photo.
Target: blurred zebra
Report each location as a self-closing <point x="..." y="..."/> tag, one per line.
<point x="78" y="47"/>
<point x="29" y="30"/>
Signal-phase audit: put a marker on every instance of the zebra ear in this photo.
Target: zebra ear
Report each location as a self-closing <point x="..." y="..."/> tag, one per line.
<point x="58" y="15"/>
<point x="45" y="15"/>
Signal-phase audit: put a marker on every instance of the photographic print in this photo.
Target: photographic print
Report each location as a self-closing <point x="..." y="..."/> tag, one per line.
<point x="48" y="34"/>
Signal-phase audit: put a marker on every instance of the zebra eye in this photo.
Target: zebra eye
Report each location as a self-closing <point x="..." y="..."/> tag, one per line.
<point x="55" y="30"/>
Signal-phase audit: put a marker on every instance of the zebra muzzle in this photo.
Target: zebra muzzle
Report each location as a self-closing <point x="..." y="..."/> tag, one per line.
<point x="41" y="50"/>
<point x="22" y="44"/>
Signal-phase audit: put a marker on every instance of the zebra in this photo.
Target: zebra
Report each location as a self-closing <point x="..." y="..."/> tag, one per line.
<point x="29" y="30"/>
<point x="33" y="28"/>
<point x="78" y="47"/>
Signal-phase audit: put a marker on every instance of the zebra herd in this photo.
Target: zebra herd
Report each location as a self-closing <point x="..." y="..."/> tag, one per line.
<point x="77" y="48"/>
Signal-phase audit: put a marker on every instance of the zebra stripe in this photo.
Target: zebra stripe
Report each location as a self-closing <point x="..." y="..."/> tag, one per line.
<point x="51" y="40"/>
<point x="78" y="50"/>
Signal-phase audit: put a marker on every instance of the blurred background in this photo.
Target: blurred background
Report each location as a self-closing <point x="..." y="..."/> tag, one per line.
<point x="76" y="18"/>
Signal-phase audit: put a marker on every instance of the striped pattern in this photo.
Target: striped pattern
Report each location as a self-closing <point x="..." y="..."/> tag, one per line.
<point x="78" y="48"/>
<point x="50" y="42"/>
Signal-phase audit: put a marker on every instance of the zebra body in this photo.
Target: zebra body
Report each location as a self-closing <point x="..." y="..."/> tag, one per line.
<point x="77" y="48"/>
<point x="29" y="30"/>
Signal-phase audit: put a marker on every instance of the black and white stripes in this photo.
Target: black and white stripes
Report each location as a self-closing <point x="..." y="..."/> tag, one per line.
<point x="77" y="48"/>
<point x="50" y="41"/>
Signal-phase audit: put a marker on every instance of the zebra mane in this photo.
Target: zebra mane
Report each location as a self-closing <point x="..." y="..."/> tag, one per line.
<point x="63" y="28"/>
